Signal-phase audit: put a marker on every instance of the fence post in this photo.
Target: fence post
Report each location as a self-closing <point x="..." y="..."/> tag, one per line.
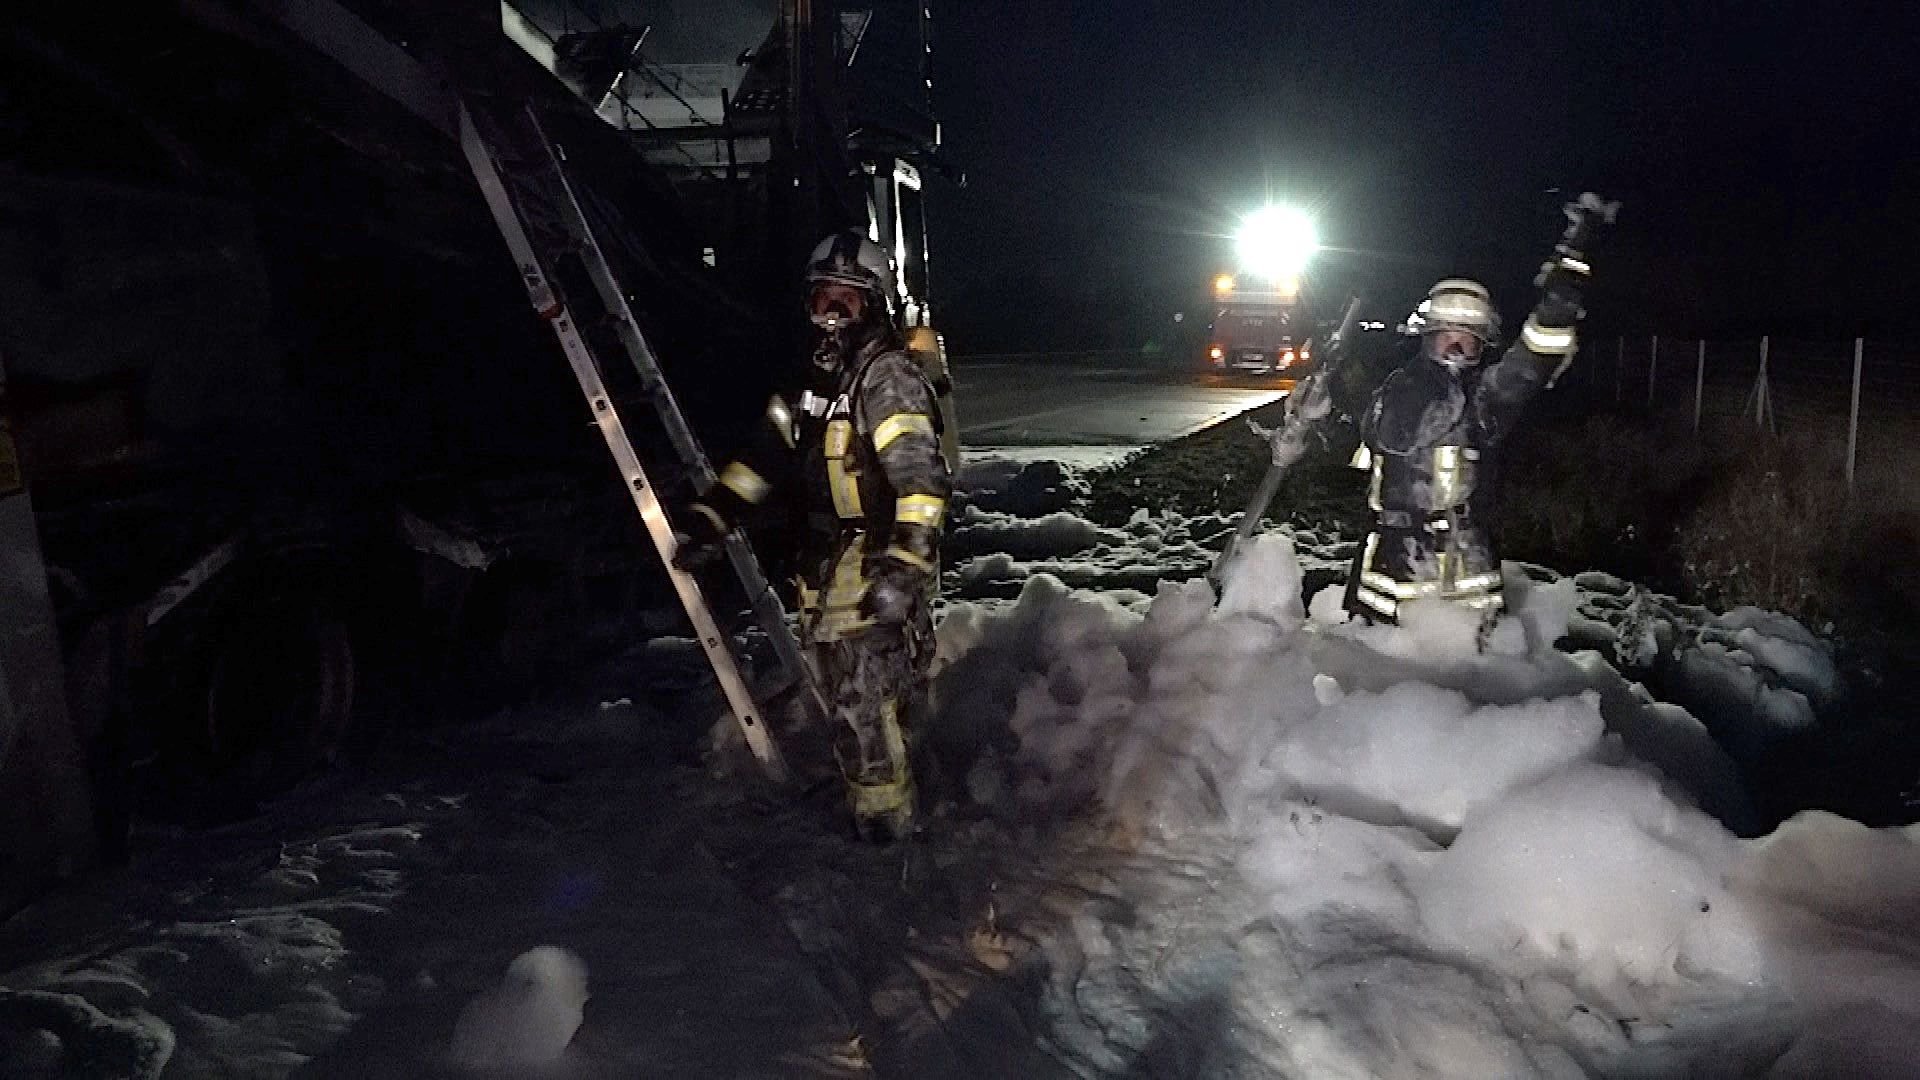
<point x="1699" y="385"/>
<point x="1853" y="413"/>
<point x="1653" y="367"/>
<point x="1763" y="391"/>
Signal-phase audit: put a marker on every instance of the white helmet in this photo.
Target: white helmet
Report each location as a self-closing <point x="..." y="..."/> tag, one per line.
<point x="849" y="258"/>
<point x="1457" y="304"/>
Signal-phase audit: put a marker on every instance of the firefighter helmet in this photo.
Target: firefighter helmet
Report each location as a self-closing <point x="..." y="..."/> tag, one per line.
<point x="1457" y="304"/>
<point x="849" y="258"/>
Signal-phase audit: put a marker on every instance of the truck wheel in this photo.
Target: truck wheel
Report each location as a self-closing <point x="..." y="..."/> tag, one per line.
<point x="280" y="695"/>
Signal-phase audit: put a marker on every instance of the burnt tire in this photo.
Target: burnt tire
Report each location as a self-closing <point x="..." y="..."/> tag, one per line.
<point x="280" y="691"/>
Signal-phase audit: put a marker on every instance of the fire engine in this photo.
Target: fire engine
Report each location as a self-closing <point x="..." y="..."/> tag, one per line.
<point x="1259" y="329"/>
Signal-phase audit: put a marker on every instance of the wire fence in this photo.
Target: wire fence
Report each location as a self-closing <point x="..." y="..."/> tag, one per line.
<point x="1859" y="399"/>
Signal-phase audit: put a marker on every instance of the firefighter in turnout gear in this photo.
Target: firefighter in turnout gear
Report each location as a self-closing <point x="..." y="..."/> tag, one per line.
<point x="864" y="432"/>
<point x="1429" y="425"/>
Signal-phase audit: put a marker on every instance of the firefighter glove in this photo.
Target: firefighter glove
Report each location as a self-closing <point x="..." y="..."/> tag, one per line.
<point x="1563" y="282"/>
<point x="704" y="543"/>
<point x="893" y="586"/>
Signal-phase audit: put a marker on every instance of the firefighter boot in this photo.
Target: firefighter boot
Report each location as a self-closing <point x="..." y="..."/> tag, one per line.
<point x="879" y="781"/>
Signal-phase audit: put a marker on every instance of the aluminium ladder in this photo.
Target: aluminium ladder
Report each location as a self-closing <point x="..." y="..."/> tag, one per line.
<point x="524" y="178"/>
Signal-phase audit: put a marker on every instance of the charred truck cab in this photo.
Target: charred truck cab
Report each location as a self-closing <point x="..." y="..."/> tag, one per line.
<point x="283" y="448"/>
<point x="1260" y="330"/>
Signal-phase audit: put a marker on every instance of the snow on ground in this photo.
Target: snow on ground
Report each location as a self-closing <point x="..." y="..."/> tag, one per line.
<point x="1749" y="676"/>
<point x="1394" y="856"/>
<point x="458" y="910"/>
<point x="1179" y="834"/>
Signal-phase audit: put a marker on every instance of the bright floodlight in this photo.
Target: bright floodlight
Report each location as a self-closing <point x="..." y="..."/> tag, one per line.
<point x="1275" y="242"/>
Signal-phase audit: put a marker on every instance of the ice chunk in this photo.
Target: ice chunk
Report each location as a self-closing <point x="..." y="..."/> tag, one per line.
<point x="527" y="1020"/>
<point x="1430" y="629"/>
<point x="978" y="532"/>
<point x="1746" y="710"/>
<point x="1329" y="606"/>
<point x="988" y="569"/>
<point x="1021" y="488"/>
<point x="1424" y="755"/>
<point x="1264" y="580"/>
<point x="1314" y="858"/>
<point x="1546" y="610"/>
<point x="1326" y="689"/>
<point x="1595" y="872"/>
<point x="1786" y="648"/>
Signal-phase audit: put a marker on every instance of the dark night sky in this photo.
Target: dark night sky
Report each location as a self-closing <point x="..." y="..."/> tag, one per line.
<point x="1766" y="154"/>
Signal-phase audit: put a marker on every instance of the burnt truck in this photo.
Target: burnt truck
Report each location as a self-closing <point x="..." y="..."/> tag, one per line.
<point x="1258" y="330"/>
<point x="285" y="454"/>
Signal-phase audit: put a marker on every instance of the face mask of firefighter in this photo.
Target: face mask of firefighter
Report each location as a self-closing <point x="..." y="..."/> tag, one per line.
<point x="830" y="349"/>
<point x="1454" y="350"/>
<point x="835" y="311"/>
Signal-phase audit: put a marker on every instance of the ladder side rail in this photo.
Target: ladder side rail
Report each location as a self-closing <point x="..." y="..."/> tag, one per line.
<point x="768" y="611"/>
<point x="645" y="498"/>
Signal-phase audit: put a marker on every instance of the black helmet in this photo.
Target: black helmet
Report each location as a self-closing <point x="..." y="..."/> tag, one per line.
<point x="849" y="258"/>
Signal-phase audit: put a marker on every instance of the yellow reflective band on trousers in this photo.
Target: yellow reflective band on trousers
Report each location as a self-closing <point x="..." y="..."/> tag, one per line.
<point x="895" y="551"/>
<point x="875" y="799"/>
<point x="1385" y="593"/>
<point x="1478" y="583"/>
<point x="834" y="611"/>
<point x="900" y="424"/>
<point x="928" y="510"/>
<point x="841" y="483"/>
<point x="1385" y="605"/>
<point x="744" y="482"/>
<point x="871" y="801"/>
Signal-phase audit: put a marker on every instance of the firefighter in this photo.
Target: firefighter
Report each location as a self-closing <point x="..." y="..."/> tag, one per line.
<point x="1428" y="431"/>
<point x="864" y="433"/>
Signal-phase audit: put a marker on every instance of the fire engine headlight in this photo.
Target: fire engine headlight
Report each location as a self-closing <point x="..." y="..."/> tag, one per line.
<point x="1276" y="242"/>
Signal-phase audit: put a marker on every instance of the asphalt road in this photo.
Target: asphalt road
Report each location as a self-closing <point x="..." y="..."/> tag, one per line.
<point x="1014" y="404"/>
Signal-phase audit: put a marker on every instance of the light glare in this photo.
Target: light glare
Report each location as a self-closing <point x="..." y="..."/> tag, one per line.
<point x="1275" y="242"/>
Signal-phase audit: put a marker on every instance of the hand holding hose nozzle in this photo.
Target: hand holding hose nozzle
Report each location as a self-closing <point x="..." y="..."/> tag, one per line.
<point x="1310" y="402"/>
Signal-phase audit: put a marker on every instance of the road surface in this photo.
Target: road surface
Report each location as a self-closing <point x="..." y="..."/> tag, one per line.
<point x="1012" y="404"/>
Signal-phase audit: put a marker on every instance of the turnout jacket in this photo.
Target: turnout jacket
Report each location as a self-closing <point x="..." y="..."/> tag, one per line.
<point x="862" y="443"/>
<point x="1428" y="435"/>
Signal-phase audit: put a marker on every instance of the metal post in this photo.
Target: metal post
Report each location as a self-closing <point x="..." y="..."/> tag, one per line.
<point x="1853" y="414"/>
<point x="1619" y="369"/>
<point x="1653" y="367"/>
<point x="1762" y="392"/>
<point x="1699" y="385"/>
